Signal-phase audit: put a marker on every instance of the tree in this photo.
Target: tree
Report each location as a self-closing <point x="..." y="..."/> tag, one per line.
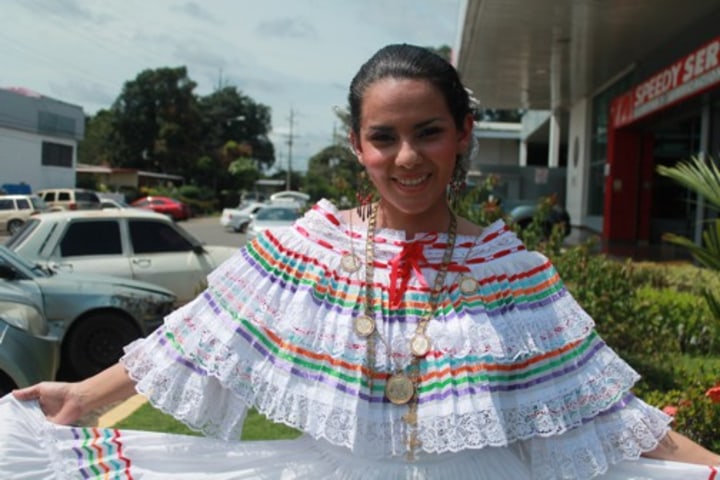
<point x="157" y="122"/>
<point x="333" y="173"/>
<point x="97" y="147"/>
<point x="228" y="115"/>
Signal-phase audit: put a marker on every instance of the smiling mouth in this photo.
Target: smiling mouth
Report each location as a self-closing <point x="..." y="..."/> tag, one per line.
<point x="412" y="182"/>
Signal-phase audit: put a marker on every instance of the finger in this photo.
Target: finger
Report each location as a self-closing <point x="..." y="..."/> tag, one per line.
<point x="27" y="393"/>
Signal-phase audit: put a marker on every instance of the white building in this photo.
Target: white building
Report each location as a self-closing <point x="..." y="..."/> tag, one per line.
<point x="621" y="87"/>
<point x="38" y="139"/>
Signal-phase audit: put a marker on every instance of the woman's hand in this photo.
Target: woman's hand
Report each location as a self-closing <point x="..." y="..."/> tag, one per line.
<point x="59" y="401"/>
<point x="65" y="403"/>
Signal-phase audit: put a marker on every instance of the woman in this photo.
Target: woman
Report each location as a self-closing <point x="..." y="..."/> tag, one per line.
<point x="403" y="341"/>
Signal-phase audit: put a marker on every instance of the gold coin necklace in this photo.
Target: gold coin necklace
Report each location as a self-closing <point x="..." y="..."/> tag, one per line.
<point x="400" y="388"/>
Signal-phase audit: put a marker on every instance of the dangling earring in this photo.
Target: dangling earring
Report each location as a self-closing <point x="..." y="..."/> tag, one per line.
<point x="460" y="171"/>
<point x="457" y="183"/>
<point x="364" y="196"/>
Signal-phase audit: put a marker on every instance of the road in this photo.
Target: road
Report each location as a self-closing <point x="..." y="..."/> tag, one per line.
<point x="209" y="231"/>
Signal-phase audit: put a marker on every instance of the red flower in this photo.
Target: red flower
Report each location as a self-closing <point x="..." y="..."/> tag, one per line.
<point x="670" y="410"/>
<point x="714" y="394"/>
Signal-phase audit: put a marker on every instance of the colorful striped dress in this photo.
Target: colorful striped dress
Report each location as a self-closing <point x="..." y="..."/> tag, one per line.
<point x="517" y="385"/>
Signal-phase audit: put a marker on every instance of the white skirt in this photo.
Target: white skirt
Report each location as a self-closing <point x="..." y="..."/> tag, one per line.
<point x="33" y="448"/>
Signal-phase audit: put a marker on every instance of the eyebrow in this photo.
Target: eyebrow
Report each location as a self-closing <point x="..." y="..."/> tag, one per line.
<point x="384" y="128"/>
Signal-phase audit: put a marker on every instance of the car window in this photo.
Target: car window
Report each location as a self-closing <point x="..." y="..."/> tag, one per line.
<point x="86" y="197"/>
<point x="63" y="196"/>
<point x="277" y="214"/>
<point x="148" y="236"/>
<point x="49" y="196"/>
<point x="142" y="203"/>
<point x="22" y="234"/>
<point x="6" y="204"/>
<point x="23" y="204"/>
<point x="100" y="237"/>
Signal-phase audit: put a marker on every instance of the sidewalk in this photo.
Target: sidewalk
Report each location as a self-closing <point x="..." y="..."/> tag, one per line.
<point x="108" y="417"/>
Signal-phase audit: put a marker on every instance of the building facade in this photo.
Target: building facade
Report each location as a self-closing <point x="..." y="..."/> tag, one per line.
<point x="38" y="140"/>
<point x="621" y="88"/>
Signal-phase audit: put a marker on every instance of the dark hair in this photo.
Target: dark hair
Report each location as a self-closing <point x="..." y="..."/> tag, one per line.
<point x="405" y="61"/>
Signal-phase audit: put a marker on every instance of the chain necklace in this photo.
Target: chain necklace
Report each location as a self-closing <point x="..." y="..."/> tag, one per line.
<point x="401" y="387"/>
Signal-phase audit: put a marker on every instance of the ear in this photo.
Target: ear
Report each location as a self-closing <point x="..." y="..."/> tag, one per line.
<point x="467" y="133"/>
<point x="357" y="148"/>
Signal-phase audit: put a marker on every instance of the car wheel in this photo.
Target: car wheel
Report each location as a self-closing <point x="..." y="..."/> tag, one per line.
<point x="96" y="342"/>
<point x="14" y="225"/>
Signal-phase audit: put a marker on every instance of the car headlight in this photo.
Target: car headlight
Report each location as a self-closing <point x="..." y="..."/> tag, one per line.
<point x="24" y="317"/>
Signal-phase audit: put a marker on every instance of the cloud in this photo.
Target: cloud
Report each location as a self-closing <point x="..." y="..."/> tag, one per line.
<point x="195" y="11"/>
<point x="94" y="96"/>
<point x="286" y="28"/>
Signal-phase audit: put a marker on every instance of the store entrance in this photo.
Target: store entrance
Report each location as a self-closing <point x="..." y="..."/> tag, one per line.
<point x="672" y="208"/>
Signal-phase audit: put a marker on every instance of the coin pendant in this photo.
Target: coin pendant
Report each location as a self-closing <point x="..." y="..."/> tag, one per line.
<point x="420" y="345"/>
<point x="364" y="325"/>
<point x="350" y="262"/>
<point x="399" y="389"/>
<point x="468" y="284"/>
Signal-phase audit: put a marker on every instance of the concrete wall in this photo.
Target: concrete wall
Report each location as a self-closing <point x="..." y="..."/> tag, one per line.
<point x="578" y="162"/>
<point x="26" y="121"/>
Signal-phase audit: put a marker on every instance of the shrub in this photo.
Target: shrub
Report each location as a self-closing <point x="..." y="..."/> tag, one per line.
<point x="695" y="414"/>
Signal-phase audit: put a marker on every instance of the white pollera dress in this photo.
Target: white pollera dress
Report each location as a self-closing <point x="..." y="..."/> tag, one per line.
<point x="518" y="385"/>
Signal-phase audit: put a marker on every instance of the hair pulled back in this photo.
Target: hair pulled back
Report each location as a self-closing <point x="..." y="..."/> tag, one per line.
<point x="403" y="61"/>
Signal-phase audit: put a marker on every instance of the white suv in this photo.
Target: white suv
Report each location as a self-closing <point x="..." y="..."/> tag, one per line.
<point x="16" y="209"/>
<point x="70" y="199"/>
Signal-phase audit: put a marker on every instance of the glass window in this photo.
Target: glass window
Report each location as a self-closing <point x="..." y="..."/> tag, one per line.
<point x="100" y="237"/>
<point x="6" y="204"/>
<point x="63" y="196"/>
<point x="23" y="204"/>
<point x="49" y="196"/>
<point x="57" y="154"/>
<point x="148" y="236"/>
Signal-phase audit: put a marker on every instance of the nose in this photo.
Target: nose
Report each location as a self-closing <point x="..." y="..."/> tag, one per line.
<point x="408" y="156"/>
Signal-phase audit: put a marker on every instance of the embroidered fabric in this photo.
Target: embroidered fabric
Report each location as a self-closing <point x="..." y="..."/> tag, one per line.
<point x="237" y="345"/>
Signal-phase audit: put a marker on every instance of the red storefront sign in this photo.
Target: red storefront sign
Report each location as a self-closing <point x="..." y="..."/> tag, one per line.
<point x="688" y="76"/>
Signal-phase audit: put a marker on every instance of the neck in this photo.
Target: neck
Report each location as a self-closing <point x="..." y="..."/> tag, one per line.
<point x="436" y="219"/>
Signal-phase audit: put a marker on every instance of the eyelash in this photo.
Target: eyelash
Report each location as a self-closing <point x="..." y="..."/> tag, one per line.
<point x="386" y="137"/>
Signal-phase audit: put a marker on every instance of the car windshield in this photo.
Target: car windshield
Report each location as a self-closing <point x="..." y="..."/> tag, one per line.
<point x="38" y="203"/>
<point x="86" y="197"/>
<point x="277" y="214"/>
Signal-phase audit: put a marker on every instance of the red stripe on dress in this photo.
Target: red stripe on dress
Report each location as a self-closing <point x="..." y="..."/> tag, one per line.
<point x="121" y="455"/>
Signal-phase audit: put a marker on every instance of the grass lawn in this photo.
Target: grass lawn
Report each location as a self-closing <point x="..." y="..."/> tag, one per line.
<point x="256" y="426"/>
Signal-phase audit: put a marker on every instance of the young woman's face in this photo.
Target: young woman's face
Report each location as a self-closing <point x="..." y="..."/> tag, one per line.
<point x="408" y="143"/>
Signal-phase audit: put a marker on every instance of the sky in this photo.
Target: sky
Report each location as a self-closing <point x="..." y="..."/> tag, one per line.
<point x="292" y="55"/>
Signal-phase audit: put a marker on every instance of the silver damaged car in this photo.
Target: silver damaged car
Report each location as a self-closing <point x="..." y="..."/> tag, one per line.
<point x="93" y="315"/>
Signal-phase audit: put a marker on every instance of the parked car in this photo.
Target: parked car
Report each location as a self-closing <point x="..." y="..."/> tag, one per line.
<point x="109" y="203"/>
<point x="300" y="198"/>
<point x="129" y="243"/>
<point x="237" y="219"/>
<point x="28" y="354"/>
<point x="70" y="199"/>
<point x="523" y="215"/>
<point x="174" y="209"/>
<point x="93" y="316"/>
<point x="272" y="216"/>
<point x="16" y="209"/>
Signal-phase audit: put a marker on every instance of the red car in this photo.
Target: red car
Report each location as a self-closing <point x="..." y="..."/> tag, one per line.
<point x="174" y="209"/>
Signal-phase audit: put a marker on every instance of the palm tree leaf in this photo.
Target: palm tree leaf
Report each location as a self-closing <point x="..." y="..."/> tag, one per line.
<point x="698" y="175"/>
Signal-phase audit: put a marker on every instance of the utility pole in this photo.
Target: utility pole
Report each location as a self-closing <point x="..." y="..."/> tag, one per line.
<point x="290" y="142"/>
